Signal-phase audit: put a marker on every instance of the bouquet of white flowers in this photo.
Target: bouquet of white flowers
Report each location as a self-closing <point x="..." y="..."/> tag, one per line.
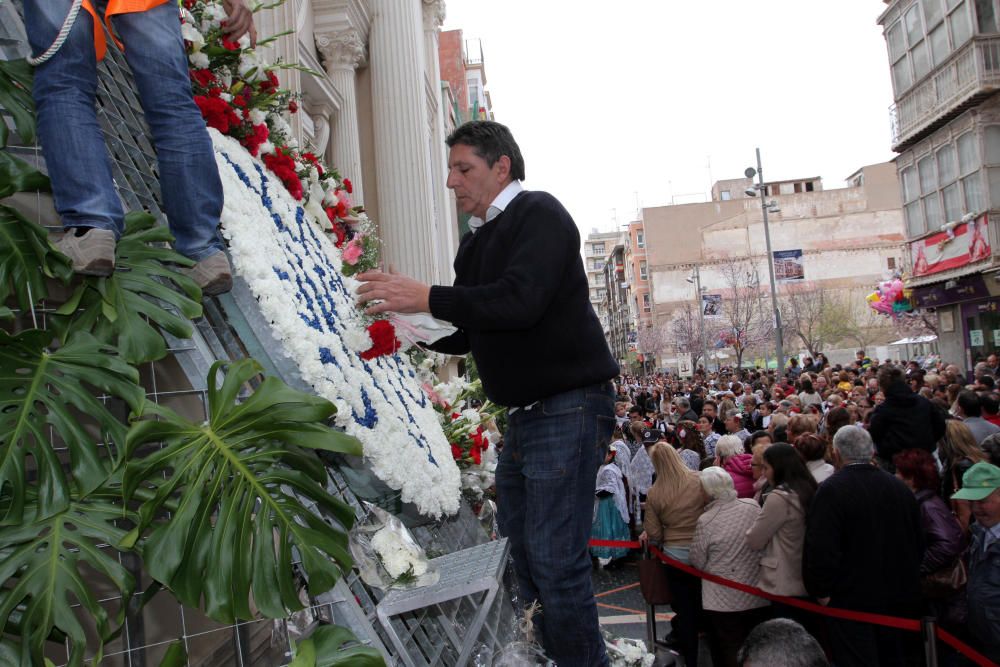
<point x="624" y="652"/>
<point x="386" y="554"/>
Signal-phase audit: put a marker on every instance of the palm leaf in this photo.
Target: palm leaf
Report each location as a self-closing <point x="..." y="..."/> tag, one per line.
<point x="38" y="388"/>
<point x="119" y="309"/>
<point x="15" y="97"/>
<point x="41" y="562"/>
<point x="237" y="481"/>
<point x="27" y="258"/>
<point x="325" y="647"/>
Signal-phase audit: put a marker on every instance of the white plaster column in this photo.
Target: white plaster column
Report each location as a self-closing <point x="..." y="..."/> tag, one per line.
<point x="434" y="14"/>
<point x="402" y="162"/>
<point x="343" y="53"/>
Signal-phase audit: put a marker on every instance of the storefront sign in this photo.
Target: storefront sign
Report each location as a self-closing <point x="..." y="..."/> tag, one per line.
<point x="968" y="288"/>
<point x="976" y="338"/>
<point x="966" y="243"/>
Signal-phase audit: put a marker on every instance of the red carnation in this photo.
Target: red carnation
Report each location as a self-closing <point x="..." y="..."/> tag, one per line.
<point x="337" y="229"/>
<point x="292" y="106"/>
<point x="253" y="141"/>
<point x="311" y="158"/>
<point x="203" y="77"/>
<point x="230" y="45"/>
<point x="456" y="451"/>
<point x="477" y="455"/>
<point x="216" y="113"/>
<point x="384" y="341"/>
<point x="269" y="86"/>
<point x="239" y="101"/>
<point x="283" y="167"/>
<point x="348" y="186"/>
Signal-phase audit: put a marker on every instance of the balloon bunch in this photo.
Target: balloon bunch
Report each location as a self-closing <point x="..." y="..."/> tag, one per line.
<point x="890" y="298"/>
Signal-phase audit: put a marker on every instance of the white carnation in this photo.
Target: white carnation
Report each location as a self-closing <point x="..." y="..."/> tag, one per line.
<point x="357" y="339"/>
<point x="257" y="116"/>
<point x="198" y="60"/>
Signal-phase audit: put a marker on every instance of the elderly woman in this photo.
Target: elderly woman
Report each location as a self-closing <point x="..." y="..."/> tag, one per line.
<point x="730" y="455"/>
<point x="720" y="547"/>
<point x="673" y="506"/>
<point x="813" y="448"/>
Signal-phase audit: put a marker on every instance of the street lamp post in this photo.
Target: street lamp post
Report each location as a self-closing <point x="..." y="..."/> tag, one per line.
<point x="701" y="316"/>
<point x="762" y="192"/>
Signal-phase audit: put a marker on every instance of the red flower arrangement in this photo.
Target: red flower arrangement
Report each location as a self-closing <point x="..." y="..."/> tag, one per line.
<point x="217" y="112"/>
<point x="336" y="228"/>
<point x="283" y="167"/>
<point x="384" y="341"/>
<point x="253" y="141"/>
<point x="230" y="45"/>
<point x="314" y="161"/>
<point x="348" y="186"/>
<point x="203" y="77"/>
<point x="292" y="106"/>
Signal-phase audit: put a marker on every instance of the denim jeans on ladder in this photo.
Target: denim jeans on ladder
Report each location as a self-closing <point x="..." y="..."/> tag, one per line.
<point x="77" y="159"/>
<point x="546" y="480"/>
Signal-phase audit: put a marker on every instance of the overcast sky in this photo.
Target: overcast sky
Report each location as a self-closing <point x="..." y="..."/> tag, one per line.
<point x="661" y="97"/>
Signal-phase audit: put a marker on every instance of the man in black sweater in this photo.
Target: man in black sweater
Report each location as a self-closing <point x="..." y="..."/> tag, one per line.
<point x="863" y="549"/>
<point x="905" y="420"/>
<point x="521" y="305"/>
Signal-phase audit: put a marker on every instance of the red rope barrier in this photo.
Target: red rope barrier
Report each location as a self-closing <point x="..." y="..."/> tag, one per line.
<point x="909" y="624"/>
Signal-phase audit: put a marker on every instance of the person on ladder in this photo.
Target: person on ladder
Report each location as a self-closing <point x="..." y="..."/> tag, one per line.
<point x="69" y="43"/>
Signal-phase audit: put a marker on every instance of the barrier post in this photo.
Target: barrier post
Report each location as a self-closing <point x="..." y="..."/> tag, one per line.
<point x="650" y="612"/>
<point x="927" y="624"/>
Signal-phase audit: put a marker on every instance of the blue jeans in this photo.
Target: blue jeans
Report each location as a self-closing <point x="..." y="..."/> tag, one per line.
<point x="546" y="479"/>
<point x="78" y="163"/>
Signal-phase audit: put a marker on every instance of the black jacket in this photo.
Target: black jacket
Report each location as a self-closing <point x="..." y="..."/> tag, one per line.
<point x="905" y="421"/>
<point x="864" y="542"/>
<point x="521" y="303"/>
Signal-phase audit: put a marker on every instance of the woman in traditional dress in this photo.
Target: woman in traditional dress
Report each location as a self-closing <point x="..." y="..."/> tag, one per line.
<point x="610" y="511"/>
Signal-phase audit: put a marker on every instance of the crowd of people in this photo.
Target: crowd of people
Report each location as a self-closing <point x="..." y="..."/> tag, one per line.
<point x="866" y="486"/>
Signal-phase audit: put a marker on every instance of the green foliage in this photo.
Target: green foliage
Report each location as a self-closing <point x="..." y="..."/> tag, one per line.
<point x="238" y="479"/>
<point x="27" y="258"/>
<point x="42" y="566"/>
<point x="42" y="389"/>
<point x="115" y="309"/>
<point x="327" y="646"/>
<point x="15" y="97"/>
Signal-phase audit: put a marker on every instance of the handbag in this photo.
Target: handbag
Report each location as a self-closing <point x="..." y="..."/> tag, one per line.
<point x="653" y="581"/>
<point x="945" y="582"/>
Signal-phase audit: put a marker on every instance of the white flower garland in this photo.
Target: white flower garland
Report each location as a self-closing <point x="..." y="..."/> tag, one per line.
<point x="293" y="269"/>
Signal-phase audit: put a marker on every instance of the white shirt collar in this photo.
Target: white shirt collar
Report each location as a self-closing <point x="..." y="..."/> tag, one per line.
<point x="498" y="206"/>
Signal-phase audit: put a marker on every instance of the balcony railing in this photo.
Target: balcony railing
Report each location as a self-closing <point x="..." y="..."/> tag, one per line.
<point x="970" y="74"/>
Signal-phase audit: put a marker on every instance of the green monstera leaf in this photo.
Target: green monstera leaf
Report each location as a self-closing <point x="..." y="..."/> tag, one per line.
<point x="15" y="96"/>
<point x="42" y="390"/>
<point x="237" y="481"/>
<point x="50" y="564"/>
<point x="123" y="308"/>
<point x="27" y="258"/>
<point x="331" y="646"/>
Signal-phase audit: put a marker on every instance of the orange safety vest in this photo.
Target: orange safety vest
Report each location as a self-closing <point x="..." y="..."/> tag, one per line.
<point x="115" y="7"/>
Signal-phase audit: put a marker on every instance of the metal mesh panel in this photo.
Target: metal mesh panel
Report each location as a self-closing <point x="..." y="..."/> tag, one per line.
<point x="233" y="328"/>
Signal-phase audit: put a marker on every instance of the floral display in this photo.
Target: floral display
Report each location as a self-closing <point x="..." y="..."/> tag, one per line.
<point x="624" y="652"/>
<point x="471" y="432"/>
<point x="296" y="238"/>
<point x="386" y="554"/>
<point x="292" y="268"/>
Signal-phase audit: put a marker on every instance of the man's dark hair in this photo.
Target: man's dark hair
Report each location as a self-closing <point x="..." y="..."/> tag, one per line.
<point x="780" y="642"/>
<point x="888" y="375"/>
<point x="968" y="401"/>
<point x="990" y="403"/>
<point x="490" y="140"/>
<point x="987" y="381"/>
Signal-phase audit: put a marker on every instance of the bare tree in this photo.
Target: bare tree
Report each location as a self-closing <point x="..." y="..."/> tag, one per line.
<point x="685" y="331"/>
<point x="817" y="317"/>
<point x="746" y="324"/>
<point x="653" y="339"/>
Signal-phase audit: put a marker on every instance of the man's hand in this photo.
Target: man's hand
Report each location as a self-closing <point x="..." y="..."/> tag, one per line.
<point x="398" y="294"/>
<point x="643" y="538"/>
<point x="240" y="21"/>
<point x="823" y="601"/>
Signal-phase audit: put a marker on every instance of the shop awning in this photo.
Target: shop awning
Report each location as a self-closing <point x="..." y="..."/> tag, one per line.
<point x="914" y="340"/>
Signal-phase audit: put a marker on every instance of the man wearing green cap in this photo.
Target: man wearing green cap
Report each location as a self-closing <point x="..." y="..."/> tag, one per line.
<point x="981" y="486"/>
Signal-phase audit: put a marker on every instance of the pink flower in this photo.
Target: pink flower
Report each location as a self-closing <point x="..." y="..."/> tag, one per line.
<point x="353" y="251"/>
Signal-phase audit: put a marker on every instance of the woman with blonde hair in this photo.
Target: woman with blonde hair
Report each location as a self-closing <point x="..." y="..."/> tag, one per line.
<point x="673" y="506"/>
<point x="958" y="452"/>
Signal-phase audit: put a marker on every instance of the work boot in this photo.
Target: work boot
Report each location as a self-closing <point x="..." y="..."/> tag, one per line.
<point x="212" y="274"/>
<point x="92" y="253"/>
